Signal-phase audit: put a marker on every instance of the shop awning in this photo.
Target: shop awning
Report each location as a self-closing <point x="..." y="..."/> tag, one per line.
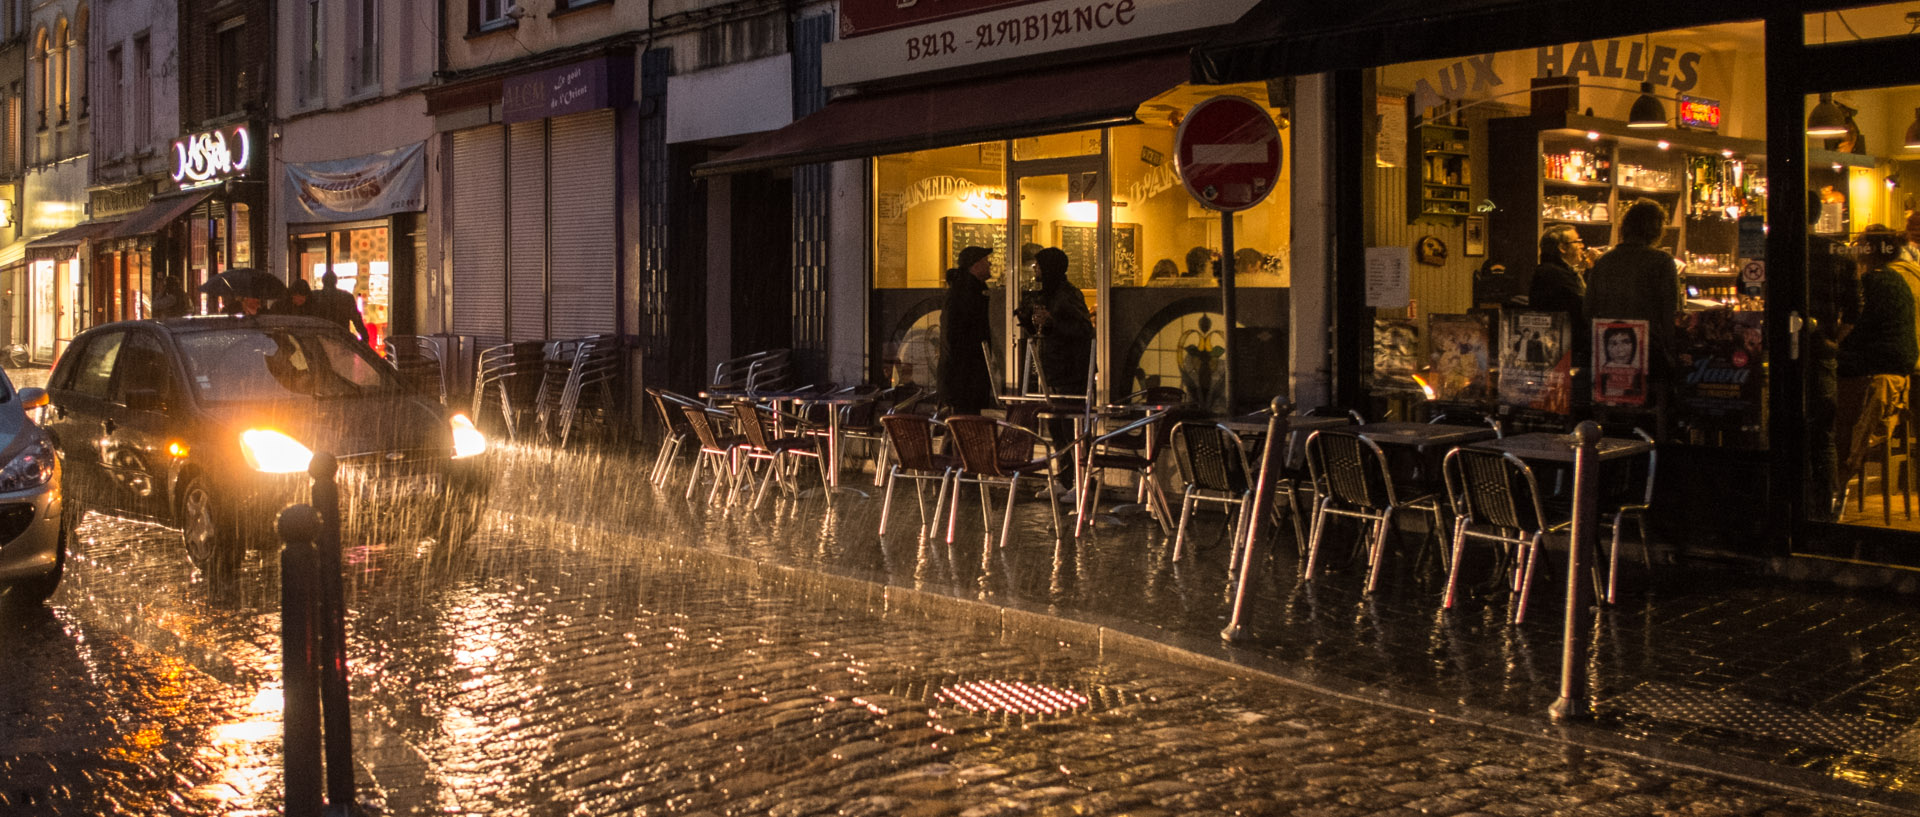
<point x="72" y="236"/>
<point x="1288" y="37"/>
<point x="158" y="214"/>
<point x="1007" y="107"/>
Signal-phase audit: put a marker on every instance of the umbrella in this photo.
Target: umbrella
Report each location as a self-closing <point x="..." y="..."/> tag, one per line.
<point x="245" y="282"/>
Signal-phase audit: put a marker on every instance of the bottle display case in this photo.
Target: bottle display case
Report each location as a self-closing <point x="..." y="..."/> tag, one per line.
<point x="1439" y="170"/>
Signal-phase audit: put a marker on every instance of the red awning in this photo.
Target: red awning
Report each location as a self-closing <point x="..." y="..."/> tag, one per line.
<point x="72" y="236"/>
<point x="956" y="113"/>
<point x="158" y="214"/>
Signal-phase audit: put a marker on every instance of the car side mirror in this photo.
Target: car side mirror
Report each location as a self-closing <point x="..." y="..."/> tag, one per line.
<point x="144" y="400"/>
<point x="33" y="397"/>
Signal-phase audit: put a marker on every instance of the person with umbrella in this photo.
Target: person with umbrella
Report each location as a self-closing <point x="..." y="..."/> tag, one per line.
<point x="244" y="290"/>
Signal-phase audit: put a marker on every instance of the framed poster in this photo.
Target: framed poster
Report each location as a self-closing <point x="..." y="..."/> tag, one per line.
<point x="1619" y="363"/>
<point x="1080" y="241"/>
<point x="1534" y="362"/>
<point x="1461" y="367"/>
<point x="1474" y="243"/>
<point x="958" y="233"/>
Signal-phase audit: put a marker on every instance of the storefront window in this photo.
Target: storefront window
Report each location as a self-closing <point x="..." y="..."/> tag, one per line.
<point x="1057" y="146"/>
<point x="242" y="236"/>
<point x="1500" y="230"/>
<point x="1864" y="23"/>
<point x="361" y="260"/>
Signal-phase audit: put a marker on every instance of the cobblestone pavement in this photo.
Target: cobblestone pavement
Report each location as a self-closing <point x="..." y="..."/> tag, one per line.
<point x="551" y="669"/>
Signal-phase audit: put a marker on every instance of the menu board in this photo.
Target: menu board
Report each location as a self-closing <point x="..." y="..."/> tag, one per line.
<point x="959" y="233"/>
<point x="1535" y="362"/>
<point x="1388" y="284"/>
<point x="1080" y="241"/>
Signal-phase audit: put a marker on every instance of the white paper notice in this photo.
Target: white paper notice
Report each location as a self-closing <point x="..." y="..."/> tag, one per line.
<point x="1388" y="284"/>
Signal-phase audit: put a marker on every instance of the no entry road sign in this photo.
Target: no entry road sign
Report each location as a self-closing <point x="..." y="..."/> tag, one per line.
<point x="1228" y="153"/>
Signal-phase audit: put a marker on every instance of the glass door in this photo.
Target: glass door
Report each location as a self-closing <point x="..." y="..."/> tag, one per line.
<point x="1056" y="204"/>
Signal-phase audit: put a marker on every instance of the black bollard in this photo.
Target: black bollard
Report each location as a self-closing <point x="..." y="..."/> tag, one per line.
<point x="331" y="629"/>
<point x="300" y="709"/>
<point x="1262" y="494"/>
<point x="1573" y="703"/>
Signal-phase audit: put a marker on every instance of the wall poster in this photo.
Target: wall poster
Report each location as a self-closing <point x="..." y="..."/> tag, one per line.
<point x="1461" y="369"/>
<point x="1619" y="363"/>
<point x="1534" y="362"/>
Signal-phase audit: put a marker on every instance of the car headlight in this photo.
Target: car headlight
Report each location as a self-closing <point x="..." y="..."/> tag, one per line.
<point x="30" y="468"/>
<point x="272" y="452"/>
<point x="467" y="440"/>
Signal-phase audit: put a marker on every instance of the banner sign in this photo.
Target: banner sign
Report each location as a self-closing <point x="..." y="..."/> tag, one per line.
<point x="991" y="32"/>
<point x="575" y="88"/>
<point x="378" y="184"/>
<point x="211" y="157"/>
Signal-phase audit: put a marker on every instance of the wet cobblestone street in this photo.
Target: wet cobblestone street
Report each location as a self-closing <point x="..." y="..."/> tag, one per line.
<point x="554" y="668"/>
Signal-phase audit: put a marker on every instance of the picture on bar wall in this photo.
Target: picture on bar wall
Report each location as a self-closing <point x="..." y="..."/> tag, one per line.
<point x="1534" y="362"/>
<point x="1474" y="244"/>
<point x="1619" y="363"/>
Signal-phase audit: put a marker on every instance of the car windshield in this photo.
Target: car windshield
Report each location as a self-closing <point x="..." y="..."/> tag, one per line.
<point x="248" y="365"/>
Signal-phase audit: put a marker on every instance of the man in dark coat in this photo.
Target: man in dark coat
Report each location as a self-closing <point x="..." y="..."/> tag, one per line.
<point x="299" y="300"/>
<point x="1636" y="281"/>
<point x="337" y="305"/>
<point x="965" y="385"/>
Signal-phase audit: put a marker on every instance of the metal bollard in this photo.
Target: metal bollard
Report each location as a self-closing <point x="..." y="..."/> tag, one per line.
<point x="318" y="729"/>
<point x="1262" y="494"/>
<point x="300" y="710"/>
<point x="1573" y="703"/>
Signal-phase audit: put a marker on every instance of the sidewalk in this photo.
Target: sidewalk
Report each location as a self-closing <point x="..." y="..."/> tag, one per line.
<point x="1795" y="682"/>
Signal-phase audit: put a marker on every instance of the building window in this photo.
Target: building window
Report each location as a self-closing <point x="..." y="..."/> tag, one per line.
<point x="42" y="80"/>
<point x="230" y="73"/>
<point x="488" y="15"/>
<point x="108" y="130"/>
<point x="141" y="132"/>
<point x="312" y="71"/>
<point x="77" y="61"/>
<point x="58" y="73"/>
<point x="363" y="59"/>
<point x="10" y="163"/>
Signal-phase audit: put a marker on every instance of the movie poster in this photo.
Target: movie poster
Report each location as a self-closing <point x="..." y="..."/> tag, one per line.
<point x="1461" y="369"/>
<point x="1720" y="383"/>
<point x="1534" y="362"/>
<point x="1396" y="356"/>
<point x="1619" y="363"/>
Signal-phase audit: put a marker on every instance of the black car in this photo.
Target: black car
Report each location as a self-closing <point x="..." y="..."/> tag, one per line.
<point x="33" y="523"/>
<point x="209" y="423"/>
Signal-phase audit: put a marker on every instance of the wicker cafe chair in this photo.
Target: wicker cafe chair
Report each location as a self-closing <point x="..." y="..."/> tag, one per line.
<point x="861" y="421"/>
<point x="995" y="452"/>
<point x="674" y="430"/>
<point x="1132" y="447"/>
<point x="1495" y="498"/>
<point x="716" y="451"/>
<point x="778" y="451"/>
<point x="1213" y="465"/>
<point x="1353" y="472"/>
<point x="910" y="437"/>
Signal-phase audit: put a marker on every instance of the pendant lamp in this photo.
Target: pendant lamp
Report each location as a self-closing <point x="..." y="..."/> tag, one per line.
<point x="1913" y="132"/>
<point x="1827" y="120"/>
<point x="1647" y="112"/>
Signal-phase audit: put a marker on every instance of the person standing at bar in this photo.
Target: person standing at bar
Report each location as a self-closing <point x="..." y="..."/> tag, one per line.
<point x="1638" y="281"/>
<point x="965" y="384"/>
<point x="1876" y="356"/>
<point x="1559" y="286"/>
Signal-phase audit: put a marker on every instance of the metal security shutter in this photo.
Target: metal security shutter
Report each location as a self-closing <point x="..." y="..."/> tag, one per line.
<point x="479" y="257"/>
<point x="527" y="254"/>
<point x="582" y="224"/>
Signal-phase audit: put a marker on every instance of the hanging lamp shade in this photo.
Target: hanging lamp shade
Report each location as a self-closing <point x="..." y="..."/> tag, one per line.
<point x="1912" y="141"/>
<point x="1827" y="120"/>
<point x="1647" y="112"/>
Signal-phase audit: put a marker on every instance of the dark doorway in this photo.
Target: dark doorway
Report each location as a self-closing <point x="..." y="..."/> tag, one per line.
<point x="762" y="211"/>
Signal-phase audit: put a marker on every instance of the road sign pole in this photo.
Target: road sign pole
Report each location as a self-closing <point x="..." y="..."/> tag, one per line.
<point x="1227" y="311"/>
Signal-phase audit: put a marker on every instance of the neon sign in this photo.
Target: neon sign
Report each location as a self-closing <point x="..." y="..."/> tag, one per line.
<point x="203" y="159"/>
<point x="1699" y="112"/>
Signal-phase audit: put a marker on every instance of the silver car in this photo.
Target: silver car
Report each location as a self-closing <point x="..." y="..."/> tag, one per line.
<point x="33" y="532"/>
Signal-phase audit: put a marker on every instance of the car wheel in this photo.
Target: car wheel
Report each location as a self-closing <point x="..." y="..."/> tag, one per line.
<point x="213" y="543"/>
<point x="36" y="591"/>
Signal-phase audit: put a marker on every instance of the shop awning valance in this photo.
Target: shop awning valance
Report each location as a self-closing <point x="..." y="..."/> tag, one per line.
<point x="1289" y="37"/>
<point x="1007" y="107"/>
<point x="72" y="236"/>
<point x="158" y="214"/>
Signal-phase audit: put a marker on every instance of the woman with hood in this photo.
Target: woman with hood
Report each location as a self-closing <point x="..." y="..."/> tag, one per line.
<point x="965" y="386"/>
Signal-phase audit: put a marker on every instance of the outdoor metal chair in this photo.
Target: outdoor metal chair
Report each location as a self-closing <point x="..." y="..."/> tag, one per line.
<point x="1496" y="498"/>
<point x="861" y="421"/>
<point x="1134" y="448"/>
<point x="1214" y="467"/>
<point x="1461" y="417"/>
<point x="674" y="430"/>
<point x="995" y="452"/>
<point x="778" y="450"/>
<point x="1636" y="508"/>
<point x="510" y="373"/>
<point x="1357" y="483"/>
<point x="420" y="363"/>
<point x="716" y="451"/>
<point x="910" y="436"/>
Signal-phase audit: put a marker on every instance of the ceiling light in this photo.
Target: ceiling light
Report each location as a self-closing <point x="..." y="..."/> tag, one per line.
<point x="1827" y="120"/>
<point x="1647" y="112"/>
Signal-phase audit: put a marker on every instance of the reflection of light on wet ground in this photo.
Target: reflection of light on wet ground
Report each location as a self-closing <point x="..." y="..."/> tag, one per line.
<point x="1013" y="697"/>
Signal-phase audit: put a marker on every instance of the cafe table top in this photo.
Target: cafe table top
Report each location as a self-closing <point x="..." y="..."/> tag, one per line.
<point x="1423" y="435"/>
<point x="1257" y="423"/>
<point x="1544" y="446"/>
